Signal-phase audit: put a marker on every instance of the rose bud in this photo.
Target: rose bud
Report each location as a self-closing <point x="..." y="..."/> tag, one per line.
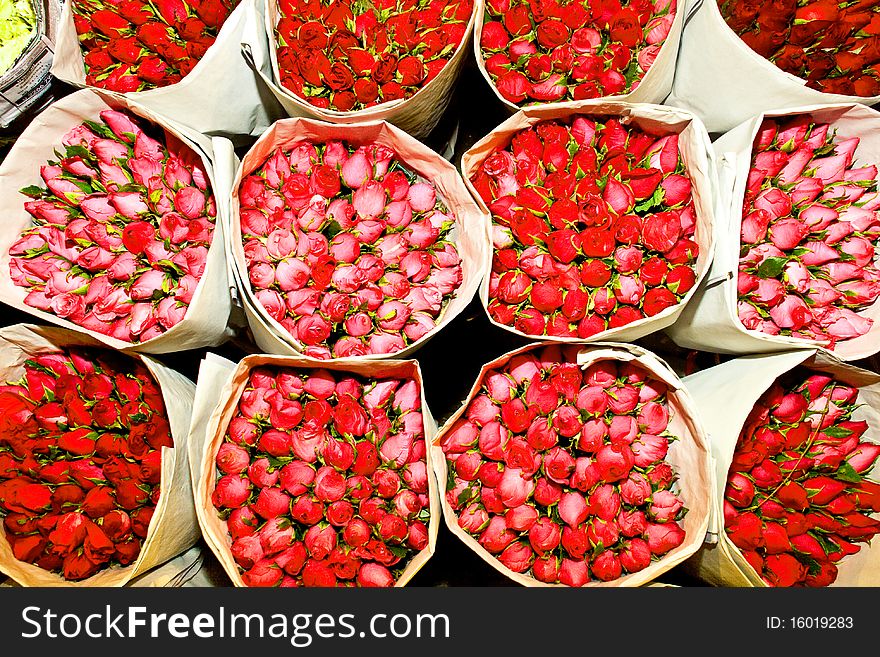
<point x="247" y="551"/>
<point x="232" y="459"/>
<point x="615" y="461"/>
<point x="649" y="449"/>
<point x="356" y="532"/>
<point x="604" y="502"/>
<point x="296" y="477"/>
<point x="547" y="492"/>
<point x="366" y="458"/>
<point x="514" y="489"/>
<point x="635" y="555"/>
<point x="418" y="538"/>
<point x="783" y="570"/>
<point x="242" y="432"/>
<point x="263" y="474"/>
<point x="521" y="518"/>
<point x="387" y="483"/>
<point x="307" y="510"/>
<point x="663" y="538"/>
<point x="231" y="492"/>
<point x="358" y="487"/>
<point x="98" y="501"/>
<point x="374" y="575"/>
<point x="558" y="465"/>
<point x="665" y="506"/>
<point x="573" y="508"/>
<point x="496" y="536"/>
<point x="372" y="510"/>
<point x="740" y="490"/>
<point x="320" y="540"/>
<point x="291" y="559"/>
<point x="330" y="485"/>
<point x="574" y="573"/>
<point x="473" y="519"/>
<point x="606" y="566"/>
<point x="546" y="569"/>
<point x="517" y="557"/>
<point x="317" y="573"/>
<point x="241" y="522"/>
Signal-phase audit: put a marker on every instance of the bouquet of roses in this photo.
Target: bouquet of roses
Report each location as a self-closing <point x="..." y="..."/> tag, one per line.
<point x="556" y="50"/>
<point x="346" y="56"/>
<point x="560" y="467"/>
<point x="135" y="45"/>
<point x="595" y="223"/>
<point x="809" y="228"/>
<point x="795" y="437"/>
<point x="348" y="250"/>
<point x="86" y="457"/>
<point x="118" y="234"/>
<point x="799" y="189"/>
<point x="834" y="46"/>
<point x="797" y="501"/>
<point x="319" y="477"/>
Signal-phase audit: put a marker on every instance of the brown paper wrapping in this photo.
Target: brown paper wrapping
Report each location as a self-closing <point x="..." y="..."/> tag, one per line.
<point x="173" y="528"/>
<point x="416" y="115"/>
<point x="725" y="395"/>
<point x="654" y="87"/>
<point x="695" y="152"/>
<point x="469" y="234"/>
<point x="689" y="455"/>
<point x="223" y="407"/>
<point x="711" y="321"/>
<point x="205" y="320"/>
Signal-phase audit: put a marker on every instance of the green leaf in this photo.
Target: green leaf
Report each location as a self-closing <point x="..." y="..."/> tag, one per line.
<point x="771" y="267"/>
<point x="34" y="191"/>
<point x="848" y="474"/>
<point x="837" y="432"/>
<point x="654" y="201"/>
<point x="828" y="546"/>
<point x="332" y="229"/>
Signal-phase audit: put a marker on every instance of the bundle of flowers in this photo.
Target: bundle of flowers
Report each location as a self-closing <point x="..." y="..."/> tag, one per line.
<point x="81" y="438"/>
<point x="561" y="472"/>
<point x="555" y="50"/>
<point x="135" y="45"/>
<point x="322" y="479"/>
<point x="594" y="225"/>
<point x="809" y="228"/>
<point x="347" y="55"/>
<point x="798" y="501"/>
<point x="834" y="47"/>
<point x="120" y="232"/>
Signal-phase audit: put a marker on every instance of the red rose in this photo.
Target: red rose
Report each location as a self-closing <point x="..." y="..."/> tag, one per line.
<point x="366" y="90"/>
<point x="386" y="65"/>
<point x="597" y="243"/>
<point x="658" y="299"/>
<point x="339" y="77"/>
<point x="137" y="235"/>
<point x="494" y="36"/>
<point x="313" y="35"/>
<point x="110" y="24"/>
<point x="661" y="231"/>
<point x="626" y="28"/>
<point x="552" y="33"/>
<point x="518" y="21"/>
<point x="594" y="273"/>
<point x="513" y="86"/>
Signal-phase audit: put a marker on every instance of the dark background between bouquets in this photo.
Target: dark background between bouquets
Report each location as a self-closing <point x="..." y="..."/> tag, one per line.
<point x="450" y="361"/>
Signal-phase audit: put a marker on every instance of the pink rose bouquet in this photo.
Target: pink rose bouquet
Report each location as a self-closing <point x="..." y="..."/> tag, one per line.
<point x="321" y="477"/>
<point x="564" y="473"/>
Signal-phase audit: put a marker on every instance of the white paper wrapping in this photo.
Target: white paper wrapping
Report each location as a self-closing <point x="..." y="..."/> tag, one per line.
<point x="710" y="321"/>
<point x="725" y="82"/>
<point x="173" y="528"/>
<point x="689" y="455"/>
<point x="725" y="395"/>
<point x="206" y="317"/>
<point x="696" y="152"/>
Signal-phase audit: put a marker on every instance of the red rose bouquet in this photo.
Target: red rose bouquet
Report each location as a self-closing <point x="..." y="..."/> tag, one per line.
<point x="136" y="45"/>
<point x="348" y="250"/>
<point x="795" y="443"/>
<point x="346" y="56"/>
<point x="538" y="51"/>
<point x="834" y="47"/>
<point x="809" y="229"/>
<point x="320" y="477"/>
<point x="798" y="500"/>
<point x="86" y="456"/>
<point x="561" y="468"/>
<point x="116" y="237"/>
<point x="594" y="224"/>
